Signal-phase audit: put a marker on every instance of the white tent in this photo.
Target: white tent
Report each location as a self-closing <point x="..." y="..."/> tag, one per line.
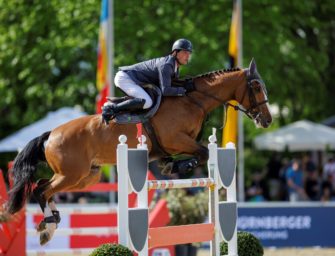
<point x="19" y="139"/>
<point x="299" y="136"/>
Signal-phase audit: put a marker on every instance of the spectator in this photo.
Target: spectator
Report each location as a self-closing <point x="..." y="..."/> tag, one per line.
<point x="327" y="189"/>
<point x="273" y="177"/>
<point x="295" y="182"/>
<point x="308" y="164"/>
<point x="257" y="192"/>
<point x="312" y="185"/>
<point x="284" y="187"/>
<point x="329" y="170"/>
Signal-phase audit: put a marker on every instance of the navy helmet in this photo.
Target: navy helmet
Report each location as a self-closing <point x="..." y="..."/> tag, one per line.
<point x="182" y="44"/>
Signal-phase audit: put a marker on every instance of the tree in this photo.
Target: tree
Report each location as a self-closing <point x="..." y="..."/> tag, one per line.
<point x="47" y="58"/>
<point x="48" y="51"/>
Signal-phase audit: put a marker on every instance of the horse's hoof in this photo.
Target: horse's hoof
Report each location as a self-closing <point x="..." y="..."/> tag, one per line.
<point x="167" y="169"/>
<point x="44" y="237"/>
<point x="41" y="226"/>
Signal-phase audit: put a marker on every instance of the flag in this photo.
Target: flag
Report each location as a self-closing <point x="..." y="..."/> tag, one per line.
<point x="103" y="83"/>
<point x="234" y="36"/>
<point x="230" y="118"/>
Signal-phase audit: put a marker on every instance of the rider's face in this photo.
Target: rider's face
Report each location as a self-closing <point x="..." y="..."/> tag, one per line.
<point x="183" y="57"/>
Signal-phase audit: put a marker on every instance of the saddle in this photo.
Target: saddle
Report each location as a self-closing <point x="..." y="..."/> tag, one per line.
<point x="138" y="116"/>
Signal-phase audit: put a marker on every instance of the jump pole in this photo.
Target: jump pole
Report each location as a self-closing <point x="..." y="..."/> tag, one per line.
<point x="132" y="165"/>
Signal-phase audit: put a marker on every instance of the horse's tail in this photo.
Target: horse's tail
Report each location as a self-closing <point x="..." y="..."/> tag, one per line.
<point x="25" y="165"/>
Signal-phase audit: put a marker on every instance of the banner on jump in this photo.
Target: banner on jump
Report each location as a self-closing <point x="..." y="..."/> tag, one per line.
<point x="289" y="226"/>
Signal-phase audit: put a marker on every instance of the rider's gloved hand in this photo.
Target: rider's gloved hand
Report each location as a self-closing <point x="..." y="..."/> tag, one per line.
<point x="189" y="86"/>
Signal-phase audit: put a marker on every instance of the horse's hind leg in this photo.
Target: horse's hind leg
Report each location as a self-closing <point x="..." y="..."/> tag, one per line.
<point x="39" y="196"/>
<point x="56" y="184"/>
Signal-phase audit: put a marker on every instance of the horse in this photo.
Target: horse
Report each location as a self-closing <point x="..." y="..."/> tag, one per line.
<point x="75" y="150"/>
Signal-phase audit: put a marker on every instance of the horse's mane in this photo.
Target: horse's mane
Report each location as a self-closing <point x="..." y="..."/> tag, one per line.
<point x="217" y="72"/>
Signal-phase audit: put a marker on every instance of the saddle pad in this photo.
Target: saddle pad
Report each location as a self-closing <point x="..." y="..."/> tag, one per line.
<point x="134" y="118"/>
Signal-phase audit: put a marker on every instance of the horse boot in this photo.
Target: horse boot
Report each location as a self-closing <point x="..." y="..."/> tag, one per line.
<point x="180" y="166"/>
<point x="110" y="111"/>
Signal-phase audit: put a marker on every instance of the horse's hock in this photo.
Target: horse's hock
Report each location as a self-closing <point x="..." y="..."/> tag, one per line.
<point x="133" y="230"/>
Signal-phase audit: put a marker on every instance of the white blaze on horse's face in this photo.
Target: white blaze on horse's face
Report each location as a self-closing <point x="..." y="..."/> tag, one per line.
<point x="261" y="114"/>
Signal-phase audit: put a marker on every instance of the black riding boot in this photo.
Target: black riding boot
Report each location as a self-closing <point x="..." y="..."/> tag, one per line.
<point x="109" y="111"/>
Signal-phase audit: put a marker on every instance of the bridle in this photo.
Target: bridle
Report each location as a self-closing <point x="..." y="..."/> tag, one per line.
<point x="249" y="112"/>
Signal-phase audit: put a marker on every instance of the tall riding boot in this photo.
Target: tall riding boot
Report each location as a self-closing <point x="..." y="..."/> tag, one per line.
<point x="128" y="105"/>
<point x="109" y="111"/>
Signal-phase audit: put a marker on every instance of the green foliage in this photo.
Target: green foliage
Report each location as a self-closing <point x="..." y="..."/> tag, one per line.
<point x="45" y="62"/>
<point x="247" y="244"/>
<point x="48" y="52"/>
<point x="111" y="250"/>
<point x="186" y="209"/>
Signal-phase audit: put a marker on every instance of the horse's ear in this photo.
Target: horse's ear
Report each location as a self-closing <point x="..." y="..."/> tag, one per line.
<point x="252" y="66"/>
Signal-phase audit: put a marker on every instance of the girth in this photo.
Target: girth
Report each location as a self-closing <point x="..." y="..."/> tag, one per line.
<point x="157" y="150"/>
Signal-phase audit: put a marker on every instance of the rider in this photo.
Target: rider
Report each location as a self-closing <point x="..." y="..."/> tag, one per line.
<point x="158" y="71"/>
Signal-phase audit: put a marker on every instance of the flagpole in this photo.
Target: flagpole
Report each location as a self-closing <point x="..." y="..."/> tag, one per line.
<point x="241" y="195"/>
<point x="110" y="40"/>
<point x="110" y="79"/>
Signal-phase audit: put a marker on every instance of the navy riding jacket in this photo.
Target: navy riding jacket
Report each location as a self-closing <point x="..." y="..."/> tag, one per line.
<point x="158" y="71"/>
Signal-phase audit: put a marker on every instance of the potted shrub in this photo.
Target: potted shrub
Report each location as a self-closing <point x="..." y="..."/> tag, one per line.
<point x="247" y="244"/>
<point x="111" y="250"/>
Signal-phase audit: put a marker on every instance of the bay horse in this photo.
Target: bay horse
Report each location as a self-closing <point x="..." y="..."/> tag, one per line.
<point x="76" y="149"/>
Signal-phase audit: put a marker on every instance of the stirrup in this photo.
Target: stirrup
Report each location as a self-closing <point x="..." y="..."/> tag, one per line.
<point x="108" y="113"/>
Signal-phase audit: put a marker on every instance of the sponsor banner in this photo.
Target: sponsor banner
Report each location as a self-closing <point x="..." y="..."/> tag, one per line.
<point x="287" y="226"/>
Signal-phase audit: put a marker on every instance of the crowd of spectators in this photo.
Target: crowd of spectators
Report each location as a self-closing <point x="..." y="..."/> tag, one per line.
<point x="297" y="179"/>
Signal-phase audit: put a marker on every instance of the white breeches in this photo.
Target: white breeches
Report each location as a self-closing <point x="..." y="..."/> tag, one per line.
<point x="126" y="84"/>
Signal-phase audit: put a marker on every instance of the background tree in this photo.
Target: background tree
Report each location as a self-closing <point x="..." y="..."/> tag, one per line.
<point x="48" y="51"/>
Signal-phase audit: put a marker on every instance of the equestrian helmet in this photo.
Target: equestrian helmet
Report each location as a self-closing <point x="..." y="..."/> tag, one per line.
<point x="182" y="44"/>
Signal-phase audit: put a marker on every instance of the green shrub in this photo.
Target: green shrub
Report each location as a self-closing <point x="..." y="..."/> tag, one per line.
<point x="247" y="243"/>
<point x="187" y="209"/>
<point x="111" y="250"/>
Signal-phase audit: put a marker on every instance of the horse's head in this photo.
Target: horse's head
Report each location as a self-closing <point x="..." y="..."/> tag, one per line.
<point x="245" y="86"/>
<point x="253" y="97"/>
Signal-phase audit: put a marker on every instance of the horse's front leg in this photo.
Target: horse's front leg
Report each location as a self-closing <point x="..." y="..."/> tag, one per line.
<point x="186" y="145"/>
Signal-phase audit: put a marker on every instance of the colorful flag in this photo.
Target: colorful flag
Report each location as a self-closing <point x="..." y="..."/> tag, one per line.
<point x="230" y="118"/>
<point x="234" y="36"/>
<point x="103" y="83"/>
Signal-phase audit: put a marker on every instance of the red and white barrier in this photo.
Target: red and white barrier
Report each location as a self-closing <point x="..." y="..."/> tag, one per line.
<point x="85" y="227"/>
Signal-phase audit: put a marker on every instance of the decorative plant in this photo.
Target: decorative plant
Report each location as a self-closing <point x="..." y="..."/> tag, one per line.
<point x="111" y="250"/>
<point x="247" y="243"/>
<point x="187" y="209"/>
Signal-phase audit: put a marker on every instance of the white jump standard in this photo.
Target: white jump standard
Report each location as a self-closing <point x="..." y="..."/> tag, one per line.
<point x="133" y="229"/>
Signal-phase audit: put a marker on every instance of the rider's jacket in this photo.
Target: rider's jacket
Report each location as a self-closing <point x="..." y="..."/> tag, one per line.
<point x="158" y="71"/>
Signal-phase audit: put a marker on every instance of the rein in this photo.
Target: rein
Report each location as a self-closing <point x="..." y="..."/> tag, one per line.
<point x="248" y="112"/>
